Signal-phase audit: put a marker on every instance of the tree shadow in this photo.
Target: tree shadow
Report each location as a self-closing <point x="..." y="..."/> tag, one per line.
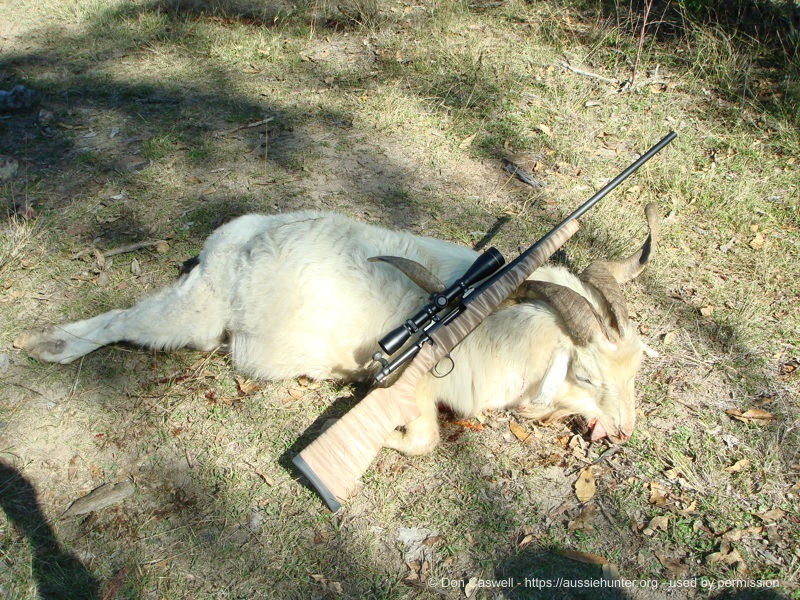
<point x="58" y="573"/>
<point x="76" y="91"/>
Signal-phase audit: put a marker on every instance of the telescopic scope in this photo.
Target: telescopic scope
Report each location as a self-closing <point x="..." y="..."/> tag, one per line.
<point x="484" y="266"/>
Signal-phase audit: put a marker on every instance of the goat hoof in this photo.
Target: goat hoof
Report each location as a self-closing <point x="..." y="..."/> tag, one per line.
<point x="41" y="344"/>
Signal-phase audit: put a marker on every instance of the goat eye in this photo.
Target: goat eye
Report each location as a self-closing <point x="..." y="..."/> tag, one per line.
<point x="584" y="381"/>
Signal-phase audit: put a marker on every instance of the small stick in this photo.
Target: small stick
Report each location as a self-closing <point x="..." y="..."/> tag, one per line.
<point x="121" y="250"/>
<point x="132" y="248"/>
<point x="569" y="67"/>
<point x="248" y="126"/>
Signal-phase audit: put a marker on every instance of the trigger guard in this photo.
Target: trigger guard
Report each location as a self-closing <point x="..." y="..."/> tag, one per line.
<point x="447" y="361"/>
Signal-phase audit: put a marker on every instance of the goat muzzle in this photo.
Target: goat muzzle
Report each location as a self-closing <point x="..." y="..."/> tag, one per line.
<point x="598" y="432"/>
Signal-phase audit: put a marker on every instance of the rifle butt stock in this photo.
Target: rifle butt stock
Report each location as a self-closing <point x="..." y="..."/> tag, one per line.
<point x="342" y="453"/>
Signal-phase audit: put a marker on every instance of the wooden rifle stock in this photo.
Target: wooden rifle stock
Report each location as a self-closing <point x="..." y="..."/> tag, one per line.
<point x="340" y="455"/>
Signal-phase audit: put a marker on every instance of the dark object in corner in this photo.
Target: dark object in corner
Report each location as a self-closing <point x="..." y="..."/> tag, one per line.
<point x="19" y="98"/>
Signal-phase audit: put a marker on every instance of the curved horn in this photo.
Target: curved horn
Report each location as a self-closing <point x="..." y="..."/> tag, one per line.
<point x="599" y="277"/>
<point x="626" y="269"/>
<point x="414" y="271"/>
<point x="582" y="321"/>
<point x="606" y="276"/>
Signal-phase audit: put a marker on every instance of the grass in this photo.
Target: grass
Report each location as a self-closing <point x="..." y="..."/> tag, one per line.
<point x="374" y="106"/>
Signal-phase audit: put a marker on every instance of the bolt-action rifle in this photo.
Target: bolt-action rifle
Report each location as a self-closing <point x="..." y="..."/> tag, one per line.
<point x="340" y="455"/>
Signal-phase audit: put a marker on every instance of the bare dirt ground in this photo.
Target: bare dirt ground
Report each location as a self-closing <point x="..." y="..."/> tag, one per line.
<point x="157" y="122"/>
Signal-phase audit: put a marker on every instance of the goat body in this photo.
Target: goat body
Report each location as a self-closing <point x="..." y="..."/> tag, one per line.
<point x="295" y="294"/>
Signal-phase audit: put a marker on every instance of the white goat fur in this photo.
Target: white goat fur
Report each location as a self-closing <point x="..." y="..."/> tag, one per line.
<point x="294" y="294"/>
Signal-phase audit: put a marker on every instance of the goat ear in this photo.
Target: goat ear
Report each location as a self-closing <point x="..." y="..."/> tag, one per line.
<point x="549" y="386"/>
<point x="553" y="379"/>
<point x="417" y="273"/>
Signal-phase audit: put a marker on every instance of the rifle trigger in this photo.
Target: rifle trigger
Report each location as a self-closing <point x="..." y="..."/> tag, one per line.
<point x="444" y="367"/>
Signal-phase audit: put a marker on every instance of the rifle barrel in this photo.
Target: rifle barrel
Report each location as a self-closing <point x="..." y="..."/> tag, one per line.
<point x="578" y="212"/>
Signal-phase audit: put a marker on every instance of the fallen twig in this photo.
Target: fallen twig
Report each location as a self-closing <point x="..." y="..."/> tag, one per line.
<point x="248" y="126"/>
<point x="568" y="67"/>
<point x="122" y="249"/>
<point x="132" y="247"/>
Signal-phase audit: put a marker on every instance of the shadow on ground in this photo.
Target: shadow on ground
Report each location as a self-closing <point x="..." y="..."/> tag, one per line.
<point x="58" y="573"/>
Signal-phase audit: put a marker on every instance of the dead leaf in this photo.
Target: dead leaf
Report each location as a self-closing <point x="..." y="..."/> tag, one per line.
<point x="669" y="337"/>
<point x="321" y="537"/>
<point x="470" y="587"/>
<point x="715" y="557"/>
<point x="99" y="259"/>
<point x="735" y="560"/>
<point x="331" y="586"/>
<point x="739" y="465"/>
<point x="658" y="494"/>
<point x="114" y="584"/>
<point x="789" y="367"/>
<point x="467" y="141"/>
<point x="735" y="535"/>
<point x="545" y="130"/>
<point x="583" y="522"/>
<point x="728" y="556"/>
<point x="655" y="524"/>
<point x="757" y="413"/>
<point x="675" y="568"/>
<point x="776" y="514"/>
<point x="757" y="242"/>
<point x="690" y="510"/>
<point x="585" y="486"/>
<point x="73" y="466"/>
<point x="753" y="414"/>
<point x="162" y="247"/>
<point x="466" y="424"/>
<point x="519" y="432"/>
<point x="584" y="557"/>
<point x="327" y="584"/>
<point x="295" y="393"/>
<point x="707" y="310"/>
<point x="245" y="386"/>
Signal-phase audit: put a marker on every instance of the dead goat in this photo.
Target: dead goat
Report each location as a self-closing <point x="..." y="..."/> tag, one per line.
<point x="297" y="294"/>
